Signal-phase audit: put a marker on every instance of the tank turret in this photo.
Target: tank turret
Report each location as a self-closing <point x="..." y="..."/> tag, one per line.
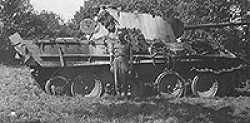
<point x="152" y="27"/>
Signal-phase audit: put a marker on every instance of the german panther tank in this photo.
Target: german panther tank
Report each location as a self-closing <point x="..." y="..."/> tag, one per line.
<point x="128" y="53"/>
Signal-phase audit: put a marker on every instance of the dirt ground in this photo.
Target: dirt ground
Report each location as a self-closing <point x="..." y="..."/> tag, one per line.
<point x="21" y="101"/>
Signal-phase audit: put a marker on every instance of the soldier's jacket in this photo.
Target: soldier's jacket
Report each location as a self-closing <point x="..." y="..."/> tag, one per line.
<point x="121" y="54"/>
<point x="121" y="50"/>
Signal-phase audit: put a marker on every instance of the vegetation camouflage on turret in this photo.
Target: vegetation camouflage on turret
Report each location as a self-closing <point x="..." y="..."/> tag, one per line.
<point x="190" y="12"/>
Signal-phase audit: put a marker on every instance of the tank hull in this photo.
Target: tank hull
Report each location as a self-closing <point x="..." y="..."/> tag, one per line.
<point x="70" y="60"/>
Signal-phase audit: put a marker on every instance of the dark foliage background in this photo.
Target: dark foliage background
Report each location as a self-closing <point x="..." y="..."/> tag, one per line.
<point x="19" y="16"/>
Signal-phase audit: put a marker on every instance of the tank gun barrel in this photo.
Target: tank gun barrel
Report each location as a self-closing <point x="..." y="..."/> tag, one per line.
<point x="202" y="26"/>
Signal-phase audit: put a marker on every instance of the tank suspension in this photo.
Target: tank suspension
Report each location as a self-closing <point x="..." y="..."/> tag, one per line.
<point x="57" y="86"/>
<point x="170" y="84"/>
<point x="86" y="86"/>
<point x="205" y="85"/>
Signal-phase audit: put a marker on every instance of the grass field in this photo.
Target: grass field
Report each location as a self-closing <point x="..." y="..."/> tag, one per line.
<point x="21" y="101"/>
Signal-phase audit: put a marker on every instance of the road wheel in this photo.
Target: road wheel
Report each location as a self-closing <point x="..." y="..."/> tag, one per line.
<point x="58" y="85"/>
<point x="205" y="85"/>
<point x="170" y="84"/>
<point x="87" y="86"/>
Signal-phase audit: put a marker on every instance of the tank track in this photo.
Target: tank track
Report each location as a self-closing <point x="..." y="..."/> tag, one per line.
<point x="229" y="78"/>
<point x="43" y="75"/>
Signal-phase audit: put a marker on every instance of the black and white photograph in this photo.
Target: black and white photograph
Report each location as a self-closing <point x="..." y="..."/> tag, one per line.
<point x="124" y="61"/>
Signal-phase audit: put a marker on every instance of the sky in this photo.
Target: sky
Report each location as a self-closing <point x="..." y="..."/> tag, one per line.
<point x="64" y="8"/>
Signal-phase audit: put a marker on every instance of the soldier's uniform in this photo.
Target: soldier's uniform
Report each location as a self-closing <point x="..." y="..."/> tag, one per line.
<point x="120" y="67"/>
